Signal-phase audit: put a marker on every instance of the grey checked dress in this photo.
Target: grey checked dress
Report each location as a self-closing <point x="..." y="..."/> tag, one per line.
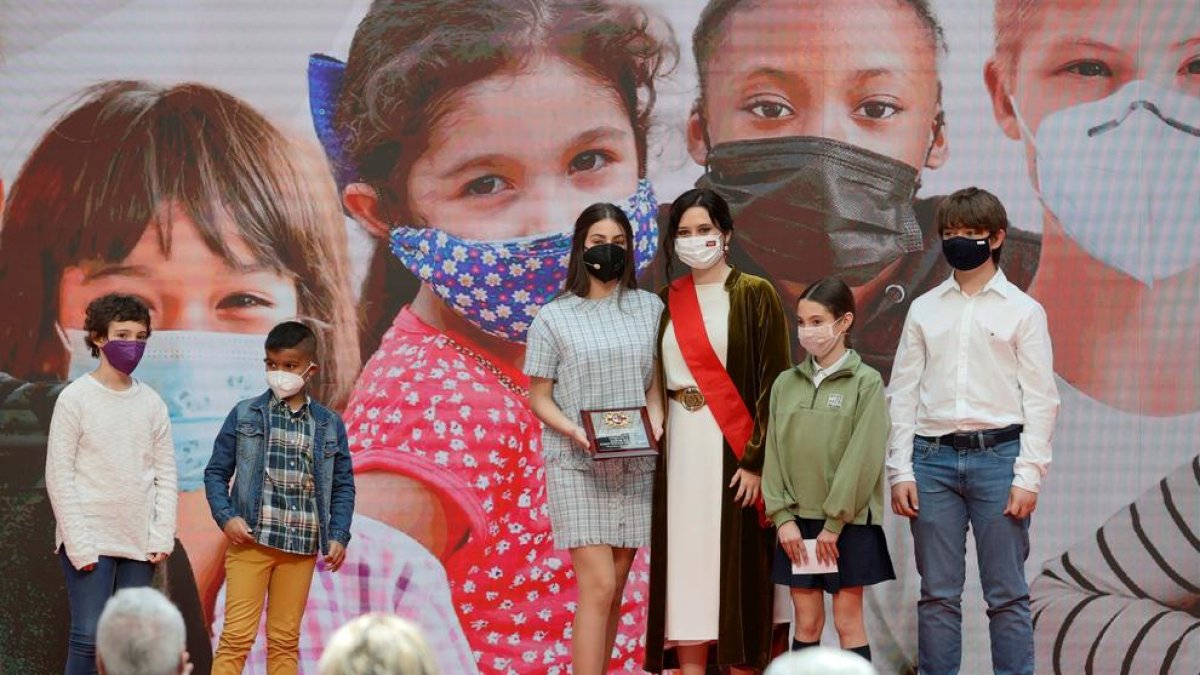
<point x="600" y="354"/>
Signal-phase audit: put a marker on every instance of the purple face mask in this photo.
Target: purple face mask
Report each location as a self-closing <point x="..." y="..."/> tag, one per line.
<point x="124" y="354"/>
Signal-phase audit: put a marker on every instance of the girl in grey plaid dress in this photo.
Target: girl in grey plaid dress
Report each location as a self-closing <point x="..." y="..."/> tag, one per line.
<point x="594" y="347"/>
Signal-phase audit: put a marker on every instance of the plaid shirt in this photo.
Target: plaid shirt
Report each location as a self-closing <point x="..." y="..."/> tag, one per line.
<point x="289" y="504"/>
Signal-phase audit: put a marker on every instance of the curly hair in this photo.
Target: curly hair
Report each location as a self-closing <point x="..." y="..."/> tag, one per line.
<point x="109" y="309"/>
<point x="708" y="35"/>
<point x="409" y="56"/>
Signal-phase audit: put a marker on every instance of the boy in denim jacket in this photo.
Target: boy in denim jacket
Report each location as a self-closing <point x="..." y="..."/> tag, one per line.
<point x="292" y="498"/>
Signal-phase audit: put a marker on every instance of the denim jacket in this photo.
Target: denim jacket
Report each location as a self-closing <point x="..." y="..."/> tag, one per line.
<point x="239" y="453"/>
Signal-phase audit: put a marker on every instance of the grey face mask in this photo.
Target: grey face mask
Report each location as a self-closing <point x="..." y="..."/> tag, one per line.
<point x="819" y="206"/>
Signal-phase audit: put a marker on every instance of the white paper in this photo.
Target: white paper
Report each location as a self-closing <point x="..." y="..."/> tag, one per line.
<point x="813" y="567"/>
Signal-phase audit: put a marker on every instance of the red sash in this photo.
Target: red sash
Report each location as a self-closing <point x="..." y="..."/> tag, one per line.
<point x="720" y="393"/>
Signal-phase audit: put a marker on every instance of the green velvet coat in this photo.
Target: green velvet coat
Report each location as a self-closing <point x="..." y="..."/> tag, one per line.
<point x="759" y="349"/>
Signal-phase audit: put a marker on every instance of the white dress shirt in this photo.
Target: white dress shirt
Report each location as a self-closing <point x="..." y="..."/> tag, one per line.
<point x="974" y="362"/>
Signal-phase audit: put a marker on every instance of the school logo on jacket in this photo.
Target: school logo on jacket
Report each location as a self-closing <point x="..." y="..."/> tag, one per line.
<point x="834" y="401"/>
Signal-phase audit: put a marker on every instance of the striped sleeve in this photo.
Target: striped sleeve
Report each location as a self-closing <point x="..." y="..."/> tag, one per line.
<point x="1127" y="599"/>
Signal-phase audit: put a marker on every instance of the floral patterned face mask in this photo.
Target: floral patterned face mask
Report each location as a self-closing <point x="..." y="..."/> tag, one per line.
<point x="499" y="285"/>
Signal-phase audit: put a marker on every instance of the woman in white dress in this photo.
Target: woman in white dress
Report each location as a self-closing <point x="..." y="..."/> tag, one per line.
<point x="723" y="340"/>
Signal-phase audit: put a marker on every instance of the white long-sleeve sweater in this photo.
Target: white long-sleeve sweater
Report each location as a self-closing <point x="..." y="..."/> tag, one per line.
<point x="110" y="472"/>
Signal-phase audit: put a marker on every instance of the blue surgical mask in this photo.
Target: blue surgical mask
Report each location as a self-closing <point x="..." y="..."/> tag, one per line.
<point x="200" y="376"/>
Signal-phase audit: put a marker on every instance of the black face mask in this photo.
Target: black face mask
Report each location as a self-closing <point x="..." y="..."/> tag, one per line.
<point x="966" y="254"/>
<point x="816" y="205"/>
<point x="605" y="261"/>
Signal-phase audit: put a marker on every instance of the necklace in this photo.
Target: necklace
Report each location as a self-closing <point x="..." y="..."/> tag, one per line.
<point x="487" y="365"/>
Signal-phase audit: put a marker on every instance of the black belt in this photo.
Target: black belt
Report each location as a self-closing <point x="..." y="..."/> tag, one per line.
<point x="977" y="440"/>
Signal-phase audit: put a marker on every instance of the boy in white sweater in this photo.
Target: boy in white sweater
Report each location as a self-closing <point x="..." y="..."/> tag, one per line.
<point x="110" y="473"/>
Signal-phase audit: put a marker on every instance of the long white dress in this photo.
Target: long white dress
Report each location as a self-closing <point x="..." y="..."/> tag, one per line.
<point x="694" y="456"/>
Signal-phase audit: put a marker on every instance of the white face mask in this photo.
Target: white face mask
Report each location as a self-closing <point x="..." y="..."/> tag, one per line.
<point x="1122" y="176"/>
<point x="284" y="383"/>
<point x="200" y="376"/>
<point x="700" y="253"/>
<point x="819" y="340"/>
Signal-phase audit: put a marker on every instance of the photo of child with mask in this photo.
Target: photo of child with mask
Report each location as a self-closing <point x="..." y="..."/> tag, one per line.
<point x="823" y="476"/>
<point x="469" y="135"/>
<point x="593" y="348"/>
<point x="1105" y="99"/>
<point x="110" y="473"/>
<point x="818" y="144"/>
<point x="280" y="487"/>
<point x="973" y="403"/>
<point x="146" y="190"/>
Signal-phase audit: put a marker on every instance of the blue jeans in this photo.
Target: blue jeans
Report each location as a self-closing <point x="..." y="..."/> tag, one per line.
<point x="87" y="592"/>
<point x="957" y="487"/>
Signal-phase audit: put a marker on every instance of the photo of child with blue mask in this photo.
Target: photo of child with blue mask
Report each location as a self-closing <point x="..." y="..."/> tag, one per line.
<point x="1105" y="100"/>
<point x="146" y="190"/>
<point x="468" y="136"/>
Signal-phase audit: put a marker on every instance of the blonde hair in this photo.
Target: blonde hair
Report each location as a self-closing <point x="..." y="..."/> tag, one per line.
<point x="377" y="644"/>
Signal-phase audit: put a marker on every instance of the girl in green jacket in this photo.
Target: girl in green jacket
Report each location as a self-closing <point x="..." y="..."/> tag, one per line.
<point x="823" y="474"/>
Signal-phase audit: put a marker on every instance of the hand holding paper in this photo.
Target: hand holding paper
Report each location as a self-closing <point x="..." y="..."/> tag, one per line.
<point x="792" y="542"/>
<point x="811" y="564"/>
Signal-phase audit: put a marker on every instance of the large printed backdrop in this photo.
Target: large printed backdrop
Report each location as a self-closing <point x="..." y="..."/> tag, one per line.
<point x="215" y="203"/>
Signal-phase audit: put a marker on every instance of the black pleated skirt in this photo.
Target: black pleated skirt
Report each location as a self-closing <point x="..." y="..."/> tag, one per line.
<point x="863" y="559"/>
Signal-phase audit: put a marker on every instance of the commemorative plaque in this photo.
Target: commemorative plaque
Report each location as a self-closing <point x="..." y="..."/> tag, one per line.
<point x="619" y="432"/>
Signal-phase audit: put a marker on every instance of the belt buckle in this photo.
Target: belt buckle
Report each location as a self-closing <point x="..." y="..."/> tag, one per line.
<point x="691" y="398"/>
<point x="971" y="440"/>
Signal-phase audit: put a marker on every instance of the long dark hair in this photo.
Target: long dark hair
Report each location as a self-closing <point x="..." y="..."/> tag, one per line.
<point x="834" y="295"/>
<point x="709" y="200"/>
<point x="409" y="56"/>
<point x="579" y="282"/>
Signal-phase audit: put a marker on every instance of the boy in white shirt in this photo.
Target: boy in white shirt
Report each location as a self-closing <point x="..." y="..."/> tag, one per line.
<point x="973" y="401"/>
<point x="110" y="473"/>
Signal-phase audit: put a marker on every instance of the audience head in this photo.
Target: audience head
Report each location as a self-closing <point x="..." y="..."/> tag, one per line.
<point x="375" y="644"/>
<point x="820" y="661"/>
<point x="140" y="633"/>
